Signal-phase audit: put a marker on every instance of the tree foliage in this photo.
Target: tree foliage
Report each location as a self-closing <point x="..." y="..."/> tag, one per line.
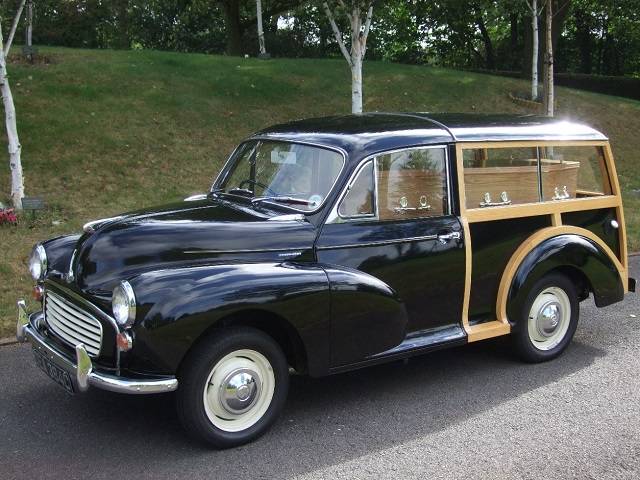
<point x="590" y="36"/>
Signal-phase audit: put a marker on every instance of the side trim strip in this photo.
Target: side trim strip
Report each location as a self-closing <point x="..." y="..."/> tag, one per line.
<point x="263" y="250"/>
<point x="381" y="242"/>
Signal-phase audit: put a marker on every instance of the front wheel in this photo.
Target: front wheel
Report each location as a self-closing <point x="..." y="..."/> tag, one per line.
<point x="233" y="386"/>
<point x="548" y="320"/>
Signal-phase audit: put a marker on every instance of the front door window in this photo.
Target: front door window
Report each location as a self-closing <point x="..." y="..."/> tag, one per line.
<point x="401" y="185"/>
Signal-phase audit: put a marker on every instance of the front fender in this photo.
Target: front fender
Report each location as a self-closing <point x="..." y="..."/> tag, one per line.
<point x="367" y="316"/>
<point x="176" y="306"/>
<point x="567" y="251"/>
<point x="59" y="251"/>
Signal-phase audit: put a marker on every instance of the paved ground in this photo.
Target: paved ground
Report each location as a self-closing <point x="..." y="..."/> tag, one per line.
<point x="471" y="412"/>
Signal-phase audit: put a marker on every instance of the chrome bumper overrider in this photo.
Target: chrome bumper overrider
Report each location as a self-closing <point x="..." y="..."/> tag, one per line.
<point x="81" y="371"/>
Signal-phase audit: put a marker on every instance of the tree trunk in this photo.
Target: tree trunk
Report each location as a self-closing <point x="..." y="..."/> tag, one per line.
<point x="534" y="49"/>
<point x="122" y="40"/>
<point x="261" y="44"/>
<point x="356" y="82"/>
<point x="513" y="18"/>
<point x="490" y="62"/>
<point x="356" y="61"/>
<point x="584" y="40"/>
<point x="549" y="96"/>
<point x="560" y="12"/>
<point x="14" y="26"/>
<point x="233" y="27"/>
<point x="354" y="58"/>
<point x="29" y="31"/>
<point x="514" y="40"/>
<point x="15" y="163"/>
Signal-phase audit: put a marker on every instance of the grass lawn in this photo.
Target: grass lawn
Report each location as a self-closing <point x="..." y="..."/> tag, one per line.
<point x="107" y="131"/>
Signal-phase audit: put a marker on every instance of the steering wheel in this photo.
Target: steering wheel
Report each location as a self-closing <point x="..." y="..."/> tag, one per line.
<point x="258" y="184"/>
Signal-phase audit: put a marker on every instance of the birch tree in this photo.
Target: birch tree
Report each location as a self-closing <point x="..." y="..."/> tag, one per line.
<point x="14" y="26"/>
<point x="261" y="44"/>
<point x="549" y="94"/>
<point x="29" y="30"/>
<point x="360" y="27"/>
<point x="535" y="8"/>
<point x="15" y="163"/>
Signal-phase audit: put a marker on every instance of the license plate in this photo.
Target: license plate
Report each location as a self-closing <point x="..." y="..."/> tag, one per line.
<point x="54" y="372"/>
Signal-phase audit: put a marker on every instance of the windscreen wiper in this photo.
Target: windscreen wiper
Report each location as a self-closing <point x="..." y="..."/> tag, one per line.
<point x="285" y="199"/>
<point x="240" y="191"/>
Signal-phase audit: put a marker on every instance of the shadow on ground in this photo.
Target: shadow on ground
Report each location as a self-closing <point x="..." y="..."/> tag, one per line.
<point x="326" y="421"/>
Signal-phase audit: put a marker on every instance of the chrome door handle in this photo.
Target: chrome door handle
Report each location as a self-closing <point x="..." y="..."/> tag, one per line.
<point x="447" y="237"/>
<point x="504" y="200"/>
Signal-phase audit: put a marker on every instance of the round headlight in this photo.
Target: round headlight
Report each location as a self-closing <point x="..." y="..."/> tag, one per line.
<point x="123" y="304"/>
<point x="38" y="262"/>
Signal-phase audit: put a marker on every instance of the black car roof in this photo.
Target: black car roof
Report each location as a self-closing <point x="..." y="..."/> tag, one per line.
<point x="373" y="132"/>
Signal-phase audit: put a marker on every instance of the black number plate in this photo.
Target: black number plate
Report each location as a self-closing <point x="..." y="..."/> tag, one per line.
<point x="54" y="372"/>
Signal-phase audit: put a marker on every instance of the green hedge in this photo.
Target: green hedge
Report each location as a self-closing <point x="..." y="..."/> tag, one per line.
<point x="621" y="86"/>
<point x="628" y="87"/>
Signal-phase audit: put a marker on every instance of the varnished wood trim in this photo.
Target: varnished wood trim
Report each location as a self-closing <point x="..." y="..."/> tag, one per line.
<point x="462" y="199"/>
<point x="486" y="330"/>
<point x="462" y="202"/>
<point x="533" y="241"/>
<point x="467" y="276"/>
<point x="615" y="189"/>
<point x="554" y="209"/>
<point x="542" y="208"/>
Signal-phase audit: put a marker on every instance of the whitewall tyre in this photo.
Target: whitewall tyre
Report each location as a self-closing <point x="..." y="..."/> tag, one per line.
<point x="233" y="386"/>
<point x="548" y="320"/>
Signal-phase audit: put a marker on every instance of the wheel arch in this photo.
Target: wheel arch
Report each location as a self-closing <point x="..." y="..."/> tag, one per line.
<point x="268" y="322"/>
<point x="277" y="327"/>
<point x="572" y="251"/>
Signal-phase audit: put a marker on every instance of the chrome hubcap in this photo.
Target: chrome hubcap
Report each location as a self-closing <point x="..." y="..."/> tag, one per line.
<point x="549" y="318"/>
<point x="239" y="390"/>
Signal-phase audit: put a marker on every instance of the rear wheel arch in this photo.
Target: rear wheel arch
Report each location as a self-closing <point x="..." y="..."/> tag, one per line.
<point x="583" y="260"/>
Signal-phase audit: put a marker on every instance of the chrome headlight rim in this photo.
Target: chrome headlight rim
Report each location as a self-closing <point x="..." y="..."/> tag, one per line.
<point x="124" y="295"/>
<point x="38" y="259"/>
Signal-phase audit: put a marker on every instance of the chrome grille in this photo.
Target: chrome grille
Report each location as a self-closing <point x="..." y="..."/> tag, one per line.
<point x="73" y="324"/>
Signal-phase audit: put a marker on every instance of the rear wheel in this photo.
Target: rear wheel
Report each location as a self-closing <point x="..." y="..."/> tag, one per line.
<point x="233" y="386"/>
<point x="548" y="319"/>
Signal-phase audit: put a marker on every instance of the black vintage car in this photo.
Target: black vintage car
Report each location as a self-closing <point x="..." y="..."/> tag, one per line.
<point x="331" y="244"/>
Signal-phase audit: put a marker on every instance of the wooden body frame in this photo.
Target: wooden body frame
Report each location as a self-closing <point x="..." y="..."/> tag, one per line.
<point x="553" y="209"/>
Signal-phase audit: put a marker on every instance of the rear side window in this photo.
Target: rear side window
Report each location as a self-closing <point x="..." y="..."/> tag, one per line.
<point x="508" y="176"/>
<point x="501" y="176"/>
<point x="585" y="175"/>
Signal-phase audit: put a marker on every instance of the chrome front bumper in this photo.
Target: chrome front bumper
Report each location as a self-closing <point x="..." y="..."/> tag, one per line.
<point x="81" y="371"/>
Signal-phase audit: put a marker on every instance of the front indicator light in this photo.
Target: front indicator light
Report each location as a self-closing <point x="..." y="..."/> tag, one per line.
<point x="37" y="293"/>
<point x="124" y="341"/>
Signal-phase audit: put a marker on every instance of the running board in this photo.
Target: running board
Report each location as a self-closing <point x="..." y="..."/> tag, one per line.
<point x="486" y="330"/>
<point x="425" y="340"/>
